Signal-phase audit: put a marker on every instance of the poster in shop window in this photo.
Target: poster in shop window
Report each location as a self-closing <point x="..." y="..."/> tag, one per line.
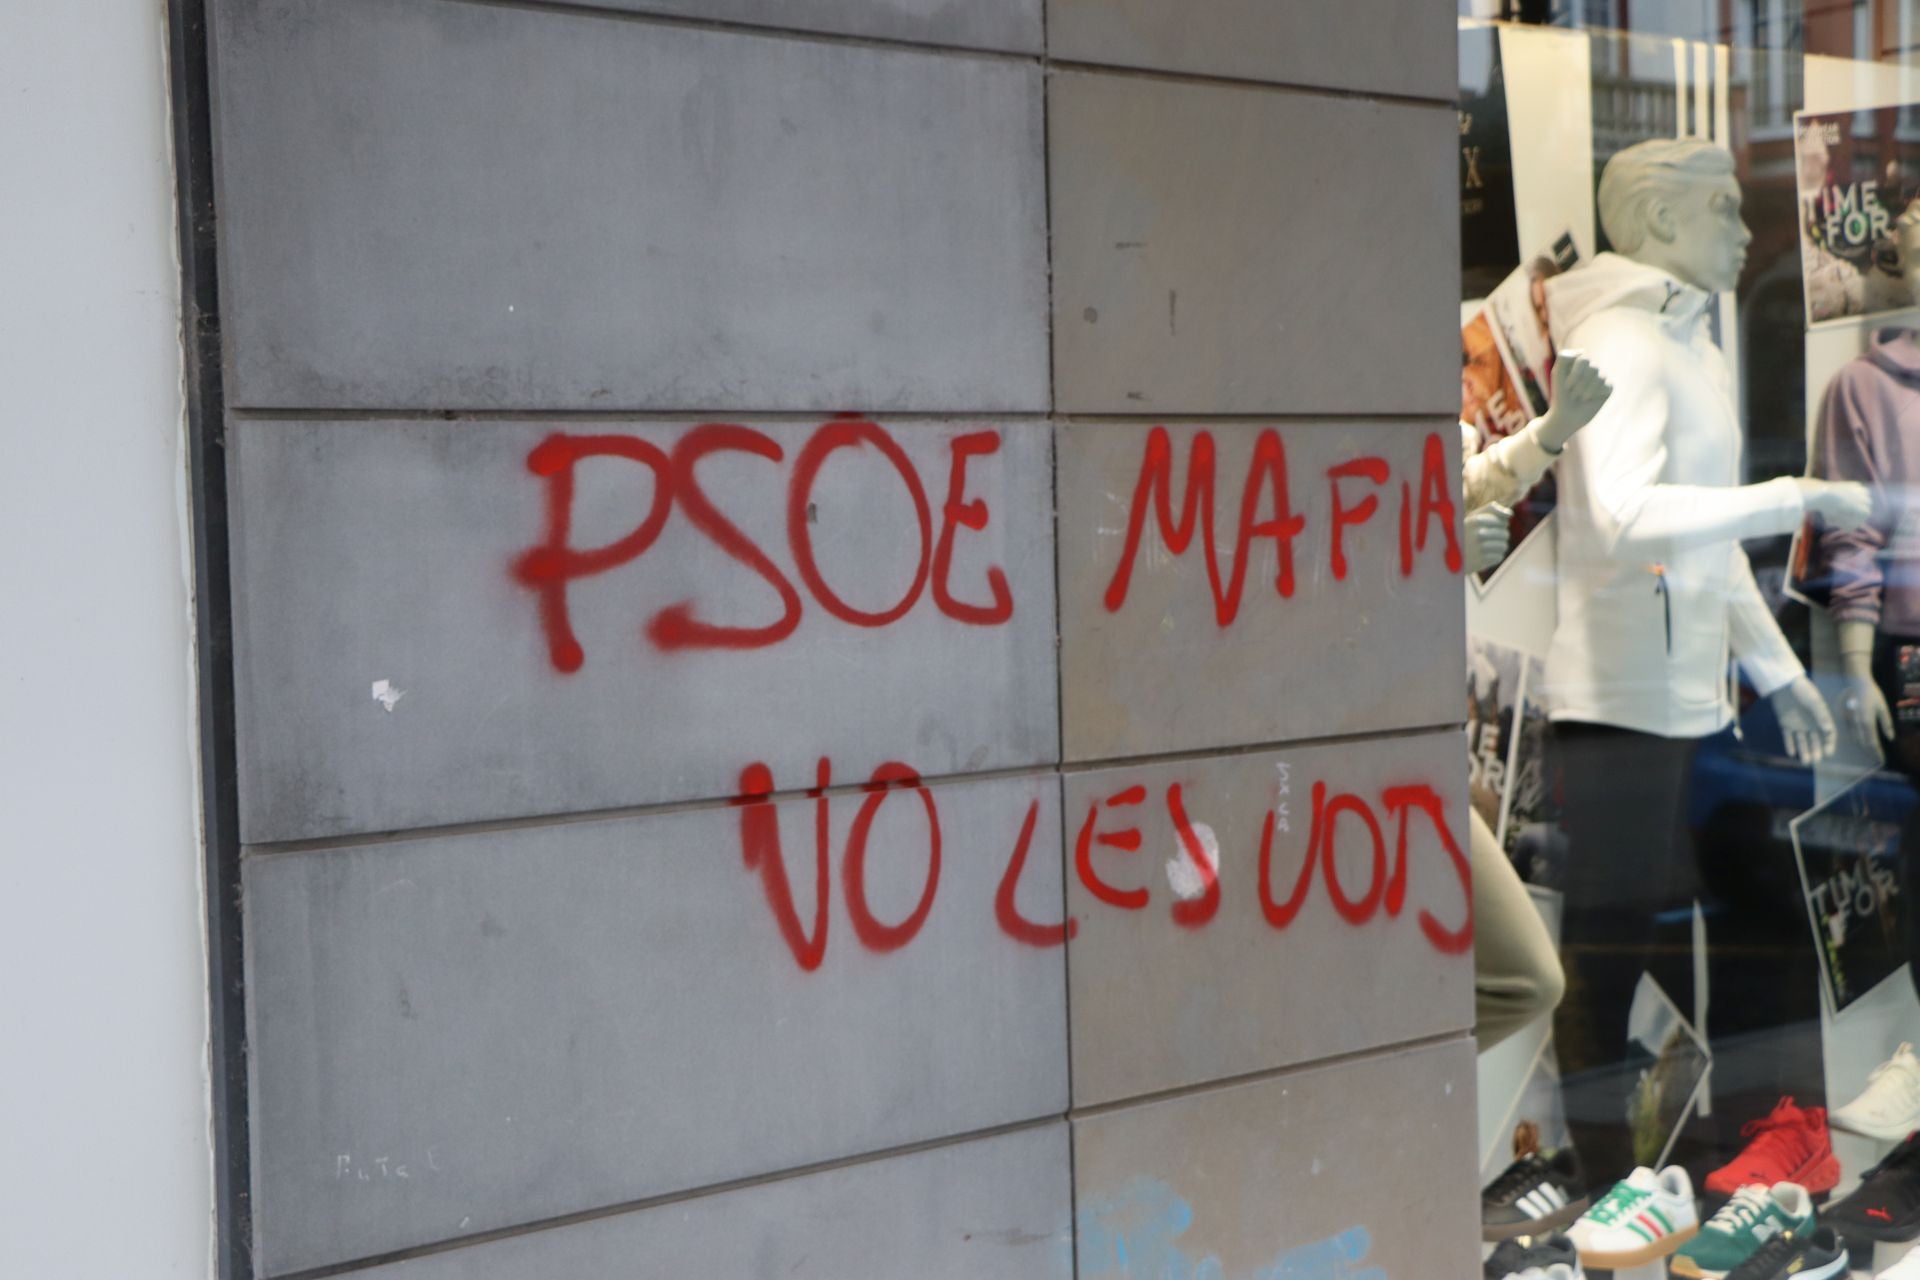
<point x="1847" y="851"/>
<point x="1506" y="745"/>
<point x="1506" y="378"/>
<point x="1857" y="173"/>
<point x="1489" y="230"/>
<point x="1530" y="828"/>
<point x="1495" y="675"/>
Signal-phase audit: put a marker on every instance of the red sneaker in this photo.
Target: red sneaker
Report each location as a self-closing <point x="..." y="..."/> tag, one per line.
<point x="1791" y="1144"/>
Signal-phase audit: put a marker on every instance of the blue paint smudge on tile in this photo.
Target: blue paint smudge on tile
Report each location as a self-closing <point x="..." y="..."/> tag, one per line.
<point x="1135" y="1236"/>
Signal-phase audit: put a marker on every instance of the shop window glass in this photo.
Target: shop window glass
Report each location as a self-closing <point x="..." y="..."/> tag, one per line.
<point x="1690" y="397"/>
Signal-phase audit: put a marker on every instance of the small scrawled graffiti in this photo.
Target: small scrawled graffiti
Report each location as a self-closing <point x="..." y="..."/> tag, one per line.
<point x="1136" y="1234"/>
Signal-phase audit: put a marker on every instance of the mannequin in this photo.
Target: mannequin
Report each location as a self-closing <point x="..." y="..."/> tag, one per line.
<point x="1654" y="592"/>
<point x="1516" y="973"/>
<point x="1869" y="431"/>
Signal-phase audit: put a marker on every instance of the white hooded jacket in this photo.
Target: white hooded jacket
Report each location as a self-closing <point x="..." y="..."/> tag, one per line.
<point x="1654" y="590"/>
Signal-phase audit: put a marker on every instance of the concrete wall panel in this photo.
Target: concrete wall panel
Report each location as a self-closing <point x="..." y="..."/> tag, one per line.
<point x="457" y="1035"/>
<point x="1364" y="1169"/>
<point x="993" y="1209"/>
<point x="1304" y="962"/>
<point x="431" y="203"/>
<point x="1011" y="25"/>
<point x="1147" y="663"/>
<point x="1378" y="46"/>
<point x="386" y="551"/>
<point x="1223" y="249"/>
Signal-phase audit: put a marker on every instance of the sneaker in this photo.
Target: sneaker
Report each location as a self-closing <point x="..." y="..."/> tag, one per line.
<point x="1536" y="1193"/>
<point x="1532" y="1257"/>
<point x="1889" y="1107"/>
<point x="1908" y="1268"/>
<point x="1792" y="1256"/>
<point x="1754" y="1216"/>
<point x="1790" y="1144"/>
<point x="1643" y="1219"/>
<point x="1886" y="1204"/>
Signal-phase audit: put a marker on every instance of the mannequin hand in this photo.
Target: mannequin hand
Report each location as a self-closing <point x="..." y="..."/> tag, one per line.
<point x="1844" y="504"/>
<point x="1579" y="391"/>
<point x="1805" y="721"/>
<point x="1487" y="536"/>
<point x="1864" y="708"/>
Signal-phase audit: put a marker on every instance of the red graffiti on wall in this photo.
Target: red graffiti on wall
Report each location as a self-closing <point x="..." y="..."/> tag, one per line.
<point x="552" y="567"/>
<point x="760" y="848"/>
<point x="1267" y="485"/>
<point x="1384" y="894"/>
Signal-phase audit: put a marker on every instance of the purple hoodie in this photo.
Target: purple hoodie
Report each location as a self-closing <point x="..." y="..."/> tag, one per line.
<point x="1869" y="431"/>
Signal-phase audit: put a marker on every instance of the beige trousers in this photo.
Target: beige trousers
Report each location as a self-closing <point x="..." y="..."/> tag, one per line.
<point x="1516" y="970"/>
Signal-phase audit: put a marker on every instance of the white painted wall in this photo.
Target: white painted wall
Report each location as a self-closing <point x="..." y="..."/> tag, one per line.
<point x="104" y="1161"/>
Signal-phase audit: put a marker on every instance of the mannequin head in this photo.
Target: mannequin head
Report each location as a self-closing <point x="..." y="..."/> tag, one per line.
<point x="1674" y="204"/>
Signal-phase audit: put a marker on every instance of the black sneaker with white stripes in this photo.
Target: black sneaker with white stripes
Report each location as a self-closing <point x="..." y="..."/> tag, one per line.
<point x="1531" y="1257"/>
<point x="1537" y="1193"/>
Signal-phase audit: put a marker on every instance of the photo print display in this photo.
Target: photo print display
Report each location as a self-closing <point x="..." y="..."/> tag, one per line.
<point x="1847" y="851"/>
<point x="1857" y="173"/>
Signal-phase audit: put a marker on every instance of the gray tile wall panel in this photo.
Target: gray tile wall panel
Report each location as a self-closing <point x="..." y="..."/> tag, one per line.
<point x="1363" y="1170"/>
<point x="433" y="203"/>
<point x="1160" y="673"/>
<point x="1011" y="25"/>
<point x="992" y="1209"/>
<point x="457" y="1035"/>
<point x="1159" y="1004"/>
<point x="370" y="551"/>
<point x="1225" y="249"/>
<point x="1377" y="46"/>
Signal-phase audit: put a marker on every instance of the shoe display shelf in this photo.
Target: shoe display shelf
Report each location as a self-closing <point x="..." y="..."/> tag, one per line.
<point x="1884" y="1256"/>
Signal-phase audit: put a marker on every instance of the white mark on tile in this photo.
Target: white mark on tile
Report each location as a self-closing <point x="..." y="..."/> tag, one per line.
<point x="386" y="693"/>
<point x="1184" y="877"/>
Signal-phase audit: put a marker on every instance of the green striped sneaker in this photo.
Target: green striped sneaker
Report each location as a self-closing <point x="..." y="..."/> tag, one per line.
<point x="1755" y="1215"/>
<point x="1643" y="1219"/>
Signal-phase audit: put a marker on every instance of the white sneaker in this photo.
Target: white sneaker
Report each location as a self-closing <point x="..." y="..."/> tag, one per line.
<point x="1908" y="1268"/>
<point x="1889" y="1107"/>
<point x="1643" y="1219"/>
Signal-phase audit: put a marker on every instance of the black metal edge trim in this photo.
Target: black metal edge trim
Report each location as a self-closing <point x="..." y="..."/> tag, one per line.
<point x="192" y="129"/>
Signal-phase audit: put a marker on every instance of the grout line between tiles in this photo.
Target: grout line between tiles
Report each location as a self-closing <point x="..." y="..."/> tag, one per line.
<point x="274" y="848"/>
<point x="725" y="26"/>
<point x="1072" y="1115"/>
<point x="675" y="417"/>
<point x="1203" y="1088"/>
<point x="560" y="1221"/>
<point x="1216" y="80"/>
